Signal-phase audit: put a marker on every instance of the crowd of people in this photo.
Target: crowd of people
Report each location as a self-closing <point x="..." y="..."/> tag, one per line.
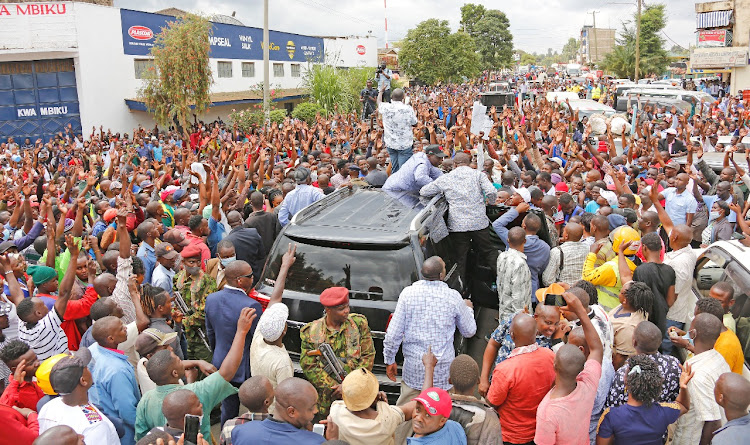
<point x="129" y="263"/>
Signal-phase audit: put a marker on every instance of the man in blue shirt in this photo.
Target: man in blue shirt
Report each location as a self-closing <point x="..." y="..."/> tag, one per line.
<point x="302" y="196"/>
<point x="431" y="423"/>
<point x="296" y="406"/>
<point x="115" y="389"/>
<point x="418" y="171"/>
<point x="384" y="80"/>
<point x="536" y="250"/>
<point x="733" y="394"/>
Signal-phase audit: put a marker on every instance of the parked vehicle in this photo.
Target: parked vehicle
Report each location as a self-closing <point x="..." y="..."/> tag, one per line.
<point x="692" y="97"/>
<point x="682" y="106"/>
<point x="374" y="243"/>
<point x="588" y="107"/>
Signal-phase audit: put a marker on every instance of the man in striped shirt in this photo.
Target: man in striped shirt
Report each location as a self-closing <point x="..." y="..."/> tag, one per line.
<point x="38" y="326"/>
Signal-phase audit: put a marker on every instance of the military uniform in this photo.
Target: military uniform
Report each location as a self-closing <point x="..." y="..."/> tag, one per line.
<point x="352" y="343"/>
<point x="194" y="291"/>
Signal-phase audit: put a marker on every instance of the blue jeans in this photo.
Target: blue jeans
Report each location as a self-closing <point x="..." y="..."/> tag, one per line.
<point x="667" y="347"/>
<point x="399" y="157"/>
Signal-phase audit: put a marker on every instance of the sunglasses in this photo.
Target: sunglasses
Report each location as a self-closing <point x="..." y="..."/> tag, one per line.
<point x="250" y="275"/>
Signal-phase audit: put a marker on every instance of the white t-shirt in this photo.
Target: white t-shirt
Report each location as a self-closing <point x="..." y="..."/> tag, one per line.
<point x="84" y="419"/>
<point x="270" y="361"/>
<point x="46" y="338"/>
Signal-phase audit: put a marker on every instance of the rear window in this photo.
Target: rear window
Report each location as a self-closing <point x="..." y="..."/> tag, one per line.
<point x="369" y="274"/>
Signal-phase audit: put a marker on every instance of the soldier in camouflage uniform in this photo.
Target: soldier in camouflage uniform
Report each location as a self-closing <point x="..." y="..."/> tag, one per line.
<point x="194" y="285"/>
<point x="349" y="337"/>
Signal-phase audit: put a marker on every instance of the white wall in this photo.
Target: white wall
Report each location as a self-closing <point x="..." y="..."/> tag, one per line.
<point x="343" y="51"/>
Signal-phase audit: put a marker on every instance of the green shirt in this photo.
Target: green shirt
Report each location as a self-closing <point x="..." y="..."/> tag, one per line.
<point x="210" y="391"/>
<point x="62" y="260"/>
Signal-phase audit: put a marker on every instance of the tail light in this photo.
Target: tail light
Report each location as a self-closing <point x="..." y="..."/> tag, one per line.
<point x="263" y="299"/>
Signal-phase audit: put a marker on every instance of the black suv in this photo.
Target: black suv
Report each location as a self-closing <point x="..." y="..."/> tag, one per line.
<point x="373" y="243"/>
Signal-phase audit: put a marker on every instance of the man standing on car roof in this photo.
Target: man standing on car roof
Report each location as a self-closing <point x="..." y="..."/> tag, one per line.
<point x="348" y="335"/>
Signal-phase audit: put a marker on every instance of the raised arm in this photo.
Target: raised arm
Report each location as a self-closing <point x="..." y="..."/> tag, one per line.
<point x="66" y="285"/>
<point x="589" y="331"/>
<point x="286" y="262"/>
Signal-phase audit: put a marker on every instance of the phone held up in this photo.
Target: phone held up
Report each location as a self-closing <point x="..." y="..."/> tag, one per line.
<point x="554" y="300"/>
<point x="192" y="427"/>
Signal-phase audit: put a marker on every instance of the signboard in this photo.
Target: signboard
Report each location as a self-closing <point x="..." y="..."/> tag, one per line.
<point x="38" y="26"/>
<point x="718" y="57"/>
<point x="713" y="38"/>
<point x="361" y="50"/>
<point x="139" y="31"/>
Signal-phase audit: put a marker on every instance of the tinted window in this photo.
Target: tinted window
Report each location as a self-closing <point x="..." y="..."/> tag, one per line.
<point x="369" y="274"/>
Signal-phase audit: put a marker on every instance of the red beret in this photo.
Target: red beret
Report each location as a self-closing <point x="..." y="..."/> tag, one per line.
<point x="334" y="296"/>
<point x="191" y="251"/>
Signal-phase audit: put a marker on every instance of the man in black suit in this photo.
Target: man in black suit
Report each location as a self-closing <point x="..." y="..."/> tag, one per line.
<point x="671" y="144"/>
<point x="266" y="223"/>
<point x="248" y="244"/>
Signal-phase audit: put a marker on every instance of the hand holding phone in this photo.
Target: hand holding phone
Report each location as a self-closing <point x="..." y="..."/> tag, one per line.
<point x="554" y="300"/>
<point x="192" y="427"/>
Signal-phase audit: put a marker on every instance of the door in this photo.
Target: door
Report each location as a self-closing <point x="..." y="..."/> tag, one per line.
<point x="38" y="99"/>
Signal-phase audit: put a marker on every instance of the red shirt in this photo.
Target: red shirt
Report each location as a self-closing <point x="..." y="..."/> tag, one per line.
<point x="22" y="395"/>
<point x="17" y="430"/>
<point x="519" y="384"/>
<point x="73" y="311"/>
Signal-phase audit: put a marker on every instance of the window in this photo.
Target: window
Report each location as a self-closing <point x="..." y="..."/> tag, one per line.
<point x="142" y="66"/>
<point x="295" y="70"/>
<point x="225" y="69"/>
<point x="248" y="69"/>
<point x="278" y="70"/>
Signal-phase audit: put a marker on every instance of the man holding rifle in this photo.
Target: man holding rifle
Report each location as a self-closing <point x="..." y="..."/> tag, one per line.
<point x="348" y="336"/>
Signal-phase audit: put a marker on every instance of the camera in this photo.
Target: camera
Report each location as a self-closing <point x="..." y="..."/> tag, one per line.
<point x="379" y="70"/>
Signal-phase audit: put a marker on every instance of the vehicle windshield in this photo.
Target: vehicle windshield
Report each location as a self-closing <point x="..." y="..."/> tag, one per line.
<point x="369" y="274"/>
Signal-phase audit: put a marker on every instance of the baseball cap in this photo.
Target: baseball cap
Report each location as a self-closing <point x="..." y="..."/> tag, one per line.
<point x="671" y="131"/>
<point x="178" y="194"/>
<point x="176" y="237"/>
<point x="525" y="194"/>
<point x="115" y="185"/>
<point x="165" y="250"/>
<point x="109" y="215"/>
<point x="150" y="339"/>
<point x="359" y="389"/>
<point x="673" y="164"/>
<point x="66" y="373"/>
<point x="556" y="160"/>
<point x="434" y="150"/>
<point x="146" y="183"/>
<point x="553" y="289"/>
<point x="6" y="245"/>
<point x="436" y="401"/>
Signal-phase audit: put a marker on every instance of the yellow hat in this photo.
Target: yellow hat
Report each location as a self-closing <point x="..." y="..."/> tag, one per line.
<point x="43" y="372"/>
<point x="623" y="234"/>
<point x="359" y="389"/>
<point x="553" y="289"/>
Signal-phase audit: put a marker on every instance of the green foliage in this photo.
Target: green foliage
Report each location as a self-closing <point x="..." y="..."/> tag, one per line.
<point x="246" y="119"/>
<point x="181" y="76"/>
<point x="306" y="111"/>
<point x="527" y="59"/>
<point x="653" y="56"/>
<point x="432" y="53"/>
<point x="569" y="50"/>
<point x="490" y="30"/>
<point x="277" y="116"/>
<point x="336" y="90"/>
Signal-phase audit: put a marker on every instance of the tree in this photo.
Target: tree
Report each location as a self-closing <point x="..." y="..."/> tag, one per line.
<point x="431" y="53"/>
<point x="181" y="75"/>
<point x="569" y="50"/>
<point x="527" y="59"/>
<point x="653" y="56"/>
<point x="490" y="29"/>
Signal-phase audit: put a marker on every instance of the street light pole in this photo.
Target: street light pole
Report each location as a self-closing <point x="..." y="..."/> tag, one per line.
<point x="266" y="56"/>
<point x="638" y="41"/>
<point x="596" y="45"/>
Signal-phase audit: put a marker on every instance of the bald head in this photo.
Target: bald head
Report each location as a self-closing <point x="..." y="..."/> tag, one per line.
<point x="181" y="216"/>
<point x="574" y="231"/>
<point x="523" y="330"/>
<point x="294" y="392"/>
<point x="577" y="338"/>
<point x="569" y="361"/>
<point x="650" y="218"/>
<point x="104" y="284"/>
<point x="236" y="269"/>
<point x="104" y="329"/>
<point x="256" y="394"/>
<point x="733" y="392"/>
<point x="59" y="435"/>
<point x="681" y="236"/>
<point x="432" y="268"/>
<point x="646" y="338"/>
<point x="177" y="404"/>
<point x="256" y="200"/>
<point x="582" y="295"/>
<point x="234" y="219"/>
<point x="398" y="94"/>
<point x="461" y="159"/>
<point x="707" y="329"/>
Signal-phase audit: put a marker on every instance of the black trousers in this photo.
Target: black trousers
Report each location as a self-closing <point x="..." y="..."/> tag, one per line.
<point x="479" y="240"/>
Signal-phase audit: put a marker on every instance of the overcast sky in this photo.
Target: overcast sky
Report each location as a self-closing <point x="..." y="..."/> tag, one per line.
<point x="536" y="24"/>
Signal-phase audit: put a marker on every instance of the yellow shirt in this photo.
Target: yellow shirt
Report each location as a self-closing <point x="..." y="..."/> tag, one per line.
<point x="728" y="345"/>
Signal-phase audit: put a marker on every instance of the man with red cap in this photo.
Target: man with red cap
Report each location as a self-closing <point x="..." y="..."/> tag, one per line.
<point x="349" y="337"/>
<point x="431" y="423"/>
<point x="194" y="286"/>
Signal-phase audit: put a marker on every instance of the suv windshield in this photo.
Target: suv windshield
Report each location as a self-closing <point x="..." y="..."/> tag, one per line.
<point x="320" y="267"/>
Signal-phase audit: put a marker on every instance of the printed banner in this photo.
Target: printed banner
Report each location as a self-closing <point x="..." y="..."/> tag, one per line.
<point x="139" y="31"/>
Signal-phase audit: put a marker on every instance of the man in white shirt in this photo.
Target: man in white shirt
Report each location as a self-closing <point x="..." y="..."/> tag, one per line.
<point x="71" y="379"/>
<point x="398" y="119"/>
<point x="268" y="356"/>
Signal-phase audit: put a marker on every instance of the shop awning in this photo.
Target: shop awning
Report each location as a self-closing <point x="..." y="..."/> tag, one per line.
<point x="714" y="19"/>
<point x="233" y="98"/>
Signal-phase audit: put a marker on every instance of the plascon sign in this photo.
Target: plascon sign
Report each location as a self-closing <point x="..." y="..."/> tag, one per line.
<point x="361" y="50"/>
<point x="139" y="31"/>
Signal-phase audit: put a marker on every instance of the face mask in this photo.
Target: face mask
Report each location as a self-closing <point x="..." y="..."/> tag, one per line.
<point x="193" y="271"/>
<point x="225" y="261"/>
<point x="713" y="215"/>
<point x="688" y="338"/>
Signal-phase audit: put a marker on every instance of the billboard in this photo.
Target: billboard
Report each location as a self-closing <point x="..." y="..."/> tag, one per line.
<point x="139" y="31"/>
<point x="712" y="38"/>
<point x="718" y="57"/>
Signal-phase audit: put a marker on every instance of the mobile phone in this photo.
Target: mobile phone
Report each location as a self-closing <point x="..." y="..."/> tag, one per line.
<point x="319" y="428"/>
<point x="554" y="300"/>
<point x="192" y="427"/>
<point x="661" y="170"/>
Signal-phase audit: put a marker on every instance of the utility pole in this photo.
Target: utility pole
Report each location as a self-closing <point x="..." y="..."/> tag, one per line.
<point x="596" y="46"/>
<point x="266" y="56"/>
<point x="638" y="41"/>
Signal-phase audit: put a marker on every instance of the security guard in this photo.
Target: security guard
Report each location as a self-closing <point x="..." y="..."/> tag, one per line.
<point x="348" y="335"/>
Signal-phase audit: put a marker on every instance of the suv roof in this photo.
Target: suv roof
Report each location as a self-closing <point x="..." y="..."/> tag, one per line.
<point x="368" y="215"/>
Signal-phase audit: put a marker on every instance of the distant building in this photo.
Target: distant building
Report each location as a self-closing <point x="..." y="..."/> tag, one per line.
<point x="389" y="56"/>
<point x="596" y="43"/>
<point x="722" y="38"/>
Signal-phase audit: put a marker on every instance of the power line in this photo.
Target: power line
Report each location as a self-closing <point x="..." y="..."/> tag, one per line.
<point x="343" y="14"/>
<point x="665" y="35"/>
